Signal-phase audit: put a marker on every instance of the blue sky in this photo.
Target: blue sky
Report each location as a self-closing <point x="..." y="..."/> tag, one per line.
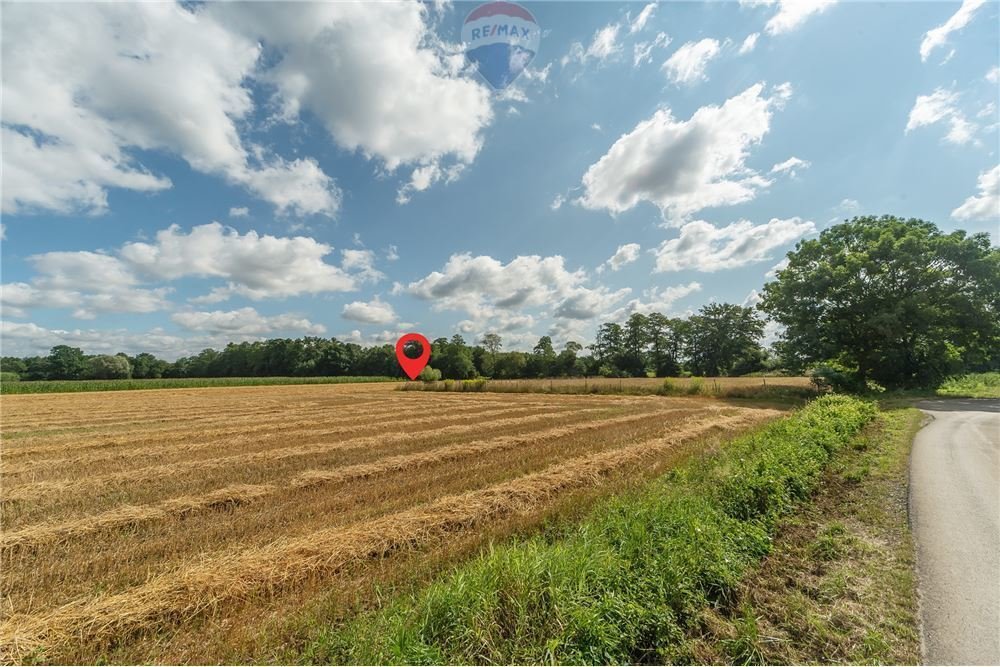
<point x="175" y="177"/>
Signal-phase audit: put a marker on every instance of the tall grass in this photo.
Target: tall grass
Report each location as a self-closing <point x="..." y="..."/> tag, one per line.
<point x="695" y="386"/>
<point x="973" y="385"/>
<point x="624" y="585"/>
<point x="62" y="386"/>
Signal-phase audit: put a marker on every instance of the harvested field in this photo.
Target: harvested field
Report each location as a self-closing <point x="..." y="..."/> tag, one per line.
<point x="161" y="525"/>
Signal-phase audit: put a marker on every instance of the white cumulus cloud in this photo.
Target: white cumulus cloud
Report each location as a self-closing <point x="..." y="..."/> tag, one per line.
<point x="790" y="166"/>
<point x="129" y="77"/>
<point x="701" y="246"/>
<point x="986" y="204"/>
<point x="486" y="288"/>
<point x="375" y="311"/>
<point x="683" y="166"/>
<point x="245" y="322"/>
<point x="793" y="13"/>
<point x="938" y="36"/>
<point x="688" y="63"/>
<point x="749" y="44"/>
<point x="941" y="106"/>
<point x="626" y="254"/>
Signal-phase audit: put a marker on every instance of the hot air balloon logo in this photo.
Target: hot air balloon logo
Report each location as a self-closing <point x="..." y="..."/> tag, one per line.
<point x="501" y="38"/>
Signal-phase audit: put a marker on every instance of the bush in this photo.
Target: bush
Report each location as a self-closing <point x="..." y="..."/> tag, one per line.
<point x="835" y="376"/>
<point x="106" y="367"/>
<point x="7" y="376"/>
<point x="429" y="374"/>
<point x="975" y="385"/>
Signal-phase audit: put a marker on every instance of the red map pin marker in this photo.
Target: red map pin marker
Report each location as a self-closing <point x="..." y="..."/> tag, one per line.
<point x="412" y="367"/>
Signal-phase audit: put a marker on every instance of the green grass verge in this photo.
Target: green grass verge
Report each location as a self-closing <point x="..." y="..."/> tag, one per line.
<point x="628" y="582"/>
<point x="839" y="585"/>
<point x="666" y="387"/>
<point x="973" y="385"/>
<point x="57" y="386"/>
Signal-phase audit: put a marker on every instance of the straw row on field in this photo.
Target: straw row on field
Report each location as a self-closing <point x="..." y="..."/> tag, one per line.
<point x="55" y="440"/>
<point x="136" y="438"/>
<point x="377" y="423"/>
<point x="36" y="490"/>
<point x="285" y="562"/>
<point x="241" y="494"/>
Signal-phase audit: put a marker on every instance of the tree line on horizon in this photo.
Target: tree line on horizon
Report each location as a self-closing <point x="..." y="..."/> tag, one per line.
<point x="882" y="300"/>
<point x="722" y="339"/>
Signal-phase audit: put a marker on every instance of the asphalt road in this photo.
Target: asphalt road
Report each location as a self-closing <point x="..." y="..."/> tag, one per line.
<point x="955" y="514"/>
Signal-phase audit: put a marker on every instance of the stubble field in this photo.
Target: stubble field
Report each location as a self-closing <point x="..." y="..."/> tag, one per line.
<point x="201" y="525"/>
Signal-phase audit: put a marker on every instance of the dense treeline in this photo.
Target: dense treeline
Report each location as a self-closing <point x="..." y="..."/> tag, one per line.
<point x="722" y="339"/>
<point x="874" y="301"/>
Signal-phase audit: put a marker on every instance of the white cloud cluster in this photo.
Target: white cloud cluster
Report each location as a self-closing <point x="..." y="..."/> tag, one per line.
<point x="252" y="265"/>
<point x="626" y="254"/>
<point x="938" y="36"/>
<point x="603" y="46"/>
<point x="642" y="52"/>
<point x="683" y="166"/>
<point x="790" y="166"/>
<point x="126" y="77"/>
<point x="702" y="246"/>
<point x="749" y="44"/>
<point x="375" y="311"/>
<point x="688" y="63"/>
<point x="793" y="13"/>
<point x="27" y="338"/>
<point x="655" y="300"/>
<point x="245" y="322"/>
<point x="941" y="106"/>
<point x="642" y="18"/>
<point x="130" y="77"/>
<point x="486" y="288"/>
<point x="986" y="204"/>
<point x="255" y="266"/>
<point x="88" y="283"/>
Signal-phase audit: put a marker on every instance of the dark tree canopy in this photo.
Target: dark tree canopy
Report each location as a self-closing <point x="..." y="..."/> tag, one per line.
<point x="895" y="301"/>
<point x="722" y="336"/>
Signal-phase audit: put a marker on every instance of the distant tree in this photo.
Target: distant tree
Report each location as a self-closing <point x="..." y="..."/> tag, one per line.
<point x="609" y="344"/>
<point x="568" y="362"/>
<point x="542" y="361"/>
<point x="891" y="300"/>
<point x="36" y="368"/>
<point x="13" y="365"/>
<point x="145" y="365"/>
<point x="492" y="343"/>
<point x="634" y="342"/>
<point x="511" y="365"/>
<point x="719" y="336"/>
<point x="66" y="363"/>
<point x="453" y="358"/>
<point x="664" y="342"/>
<point x="106" y="367"/>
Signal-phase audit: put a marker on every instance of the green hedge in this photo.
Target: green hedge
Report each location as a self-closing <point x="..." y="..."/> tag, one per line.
<point x="58" y="386"/>
<point x="625" y="584"/>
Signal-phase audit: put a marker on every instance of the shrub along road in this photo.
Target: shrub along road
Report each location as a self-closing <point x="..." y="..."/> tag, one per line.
<point x="955" y="510"/>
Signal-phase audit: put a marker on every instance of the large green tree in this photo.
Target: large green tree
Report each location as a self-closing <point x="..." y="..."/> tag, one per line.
<point x="67" y="363"/>
<point x="896" y="301"/>
<point x="720" y="337"/>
